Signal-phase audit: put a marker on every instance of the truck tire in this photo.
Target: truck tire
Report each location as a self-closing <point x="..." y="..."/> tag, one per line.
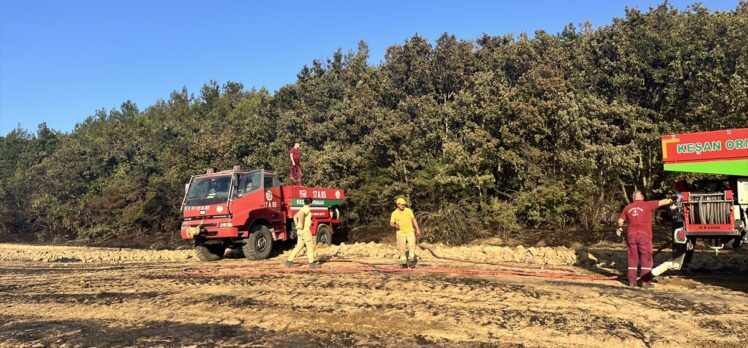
<point x="686" y="248"/>
<point x="210" y="252"/>
<point x="234" y="253"/>
<point x="291" y="228"/>
<point x="323" y="235"/>
<point x="737" y="242"/>
<point x="259" y="244"/>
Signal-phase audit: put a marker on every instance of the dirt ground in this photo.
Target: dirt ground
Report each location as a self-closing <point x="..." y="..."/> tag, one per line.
<point x="79" y="296"/>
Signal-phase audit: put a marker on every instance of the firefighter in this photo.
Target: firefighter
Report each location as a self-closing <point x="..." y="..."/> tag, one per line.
<point x="639" y="236"/>
<point x="303" y="222"/>
<point x="295" y="164"/>
<point x="403" y="220"/>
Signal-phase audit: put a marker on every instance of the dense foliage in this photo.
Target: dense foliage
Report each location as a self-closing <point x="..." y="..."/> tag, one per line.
<point x="482" y="136"/>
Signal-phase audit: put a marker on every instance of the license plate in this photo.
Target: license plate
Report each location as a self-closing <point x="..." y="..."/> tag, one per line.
<point x="193" y="231"/>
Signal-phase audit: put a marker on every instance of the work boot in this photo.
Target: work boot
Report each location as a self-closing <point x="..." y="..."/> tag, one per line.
<point x="404" y="266"/>
<point x="290" y="264"/>
<point x="314" y="264"/>
<point x="632" y="285"/>
<point x="412" y="263"/>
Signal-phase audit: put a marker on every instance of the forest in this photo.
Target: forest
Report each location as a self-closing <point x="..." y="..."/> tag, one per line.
<point x="483" y="136"/>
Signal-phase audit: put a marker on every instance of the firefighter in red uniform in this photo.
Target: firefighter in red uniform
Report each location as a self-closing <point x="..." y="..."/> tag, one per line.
<point x="295" y="164"/>
<point x="639" y="235"/>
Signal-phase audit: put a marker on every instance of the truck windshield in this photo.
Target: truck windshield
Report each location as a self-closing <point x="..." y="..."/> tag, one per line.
<point x="205" y="191"/>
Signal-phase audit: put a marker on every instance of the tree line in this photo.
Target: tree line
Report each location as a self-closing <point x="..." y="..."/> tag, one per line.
<point x="482" y="136"/>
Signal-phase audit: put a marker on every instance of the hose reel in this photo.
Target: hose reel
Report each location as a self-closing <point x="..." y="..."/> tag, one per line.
<point x="709" y="208"/>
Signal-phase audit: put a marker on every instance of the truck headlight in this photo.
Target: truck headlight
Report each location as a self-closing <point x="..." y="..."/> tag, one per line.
<point x="225" y="225"/>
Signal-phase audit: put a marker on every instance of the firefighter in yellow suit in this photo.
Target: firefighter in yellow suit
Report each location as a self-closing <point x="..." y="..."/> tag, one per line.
<point x="303" y="222"/>
<point x="404" y="221"/>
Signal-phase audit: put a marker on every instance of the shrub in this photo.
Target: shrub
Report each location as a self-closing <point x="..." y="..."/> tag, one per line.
<point x="452" y="224"/>
<point x="499" y="216"/>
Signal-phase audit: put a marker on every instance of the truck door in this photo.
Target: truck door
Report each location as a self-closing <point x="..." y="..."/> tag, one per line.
<point x="271" y="186"/>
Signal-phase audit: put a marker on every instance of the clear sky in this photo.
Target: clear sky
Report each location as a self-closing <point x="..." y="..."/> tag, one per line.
<point x="60" y="61"/>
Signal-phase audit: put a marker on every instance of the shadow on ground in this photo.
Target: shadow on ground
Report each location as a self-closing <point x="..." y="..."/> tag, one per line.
<point x="88" y="333"/>
<point x="727" y="270"/>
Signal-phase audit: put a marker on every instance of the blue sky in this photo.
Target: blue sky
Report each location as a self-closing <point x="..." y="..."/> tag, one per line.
<point x="60" y="61"/>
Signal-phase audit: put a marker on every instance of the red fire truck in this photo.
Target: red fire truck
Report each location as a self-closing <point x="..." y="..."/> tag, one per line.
<point x="251" y="210"/>
<point x="715" y="210"/>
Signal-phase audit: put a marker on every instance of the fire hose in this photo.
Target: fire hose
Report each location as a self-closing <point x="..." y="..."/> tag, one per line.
<point x="251" y="269"/>
<point x="709" y="208"/>
<point x="358" y="266"/>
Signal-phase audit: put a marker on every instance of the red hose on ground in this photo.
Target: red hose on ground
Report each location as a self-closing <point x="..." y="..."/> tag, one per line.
<point x="514" y="265"/>
<point x="556" y="272"/>
<point x="246" y="269"/>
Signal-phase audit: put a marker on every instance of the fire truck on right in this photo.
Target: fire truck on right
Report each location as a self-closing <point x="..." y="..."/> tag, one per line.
<point x="714" y="210"/>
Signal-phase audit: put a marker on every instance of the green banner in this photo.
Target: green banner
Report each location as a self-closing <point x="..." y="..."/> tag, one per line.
<point x="733" y="167"/>
<point x="319" y="202"/>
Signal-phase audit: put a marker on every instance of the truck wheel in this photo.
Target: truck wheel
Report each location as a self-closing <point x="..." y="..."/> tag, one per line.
<point x="691" y="247"/>
<point x="737" y="242"/>
<point x="259" y="244"/>
<point x="234" y="253"/>
<point x="685" y="248"/>
<point x="211" y="252"/>
<point x="679" y="249"/>
<point x="323" y="235"/>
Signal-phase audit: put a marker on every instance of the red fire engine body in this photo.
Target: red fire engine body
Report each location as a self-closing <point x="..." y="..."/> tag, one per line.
<point x="250" y="210"/>
<point x="715" y="209"/>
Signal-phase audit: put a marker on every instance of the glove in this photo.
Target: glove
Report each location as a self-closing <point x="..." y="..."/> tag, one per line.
<point x="619" y="231"/>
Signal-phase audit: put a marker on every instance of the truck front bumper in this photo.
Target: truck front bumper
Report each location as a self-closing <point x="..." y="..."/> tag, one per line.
<point x="199" y="231"/>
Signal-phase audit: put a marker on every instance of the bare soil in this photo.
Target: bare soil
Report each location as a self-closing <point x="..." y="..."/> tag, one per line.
<point x="87" y="296"/>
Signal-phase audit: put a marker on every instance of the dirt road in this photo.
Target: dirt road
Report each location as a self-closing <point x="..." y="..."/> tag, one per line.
<point x="64" y="296"/>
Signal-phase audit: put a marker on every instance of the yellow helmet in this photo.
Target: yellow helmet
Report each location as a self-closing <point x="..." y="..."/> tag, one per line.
<point x="401" y="200"/>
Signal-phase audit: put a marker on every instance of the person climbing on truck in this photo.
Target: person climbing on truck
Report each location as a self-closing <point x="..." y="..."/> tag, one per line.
<point x="639" y="236"/>
<point x="295" y="175"/>
<point x="404" y="221"/>
<point x="303" y="222"/>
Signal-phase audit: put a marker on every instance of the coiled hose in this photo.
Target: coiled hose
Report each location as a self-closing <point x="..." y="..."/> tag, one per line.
<point x="709" y="209"/>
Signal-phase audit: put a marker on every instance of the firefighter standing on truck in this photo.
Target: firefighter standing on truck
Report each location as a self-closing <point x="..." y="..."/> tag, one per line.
<point x="405" y="222"/>
<point x="295" y="175"/>
<point x="639" y="236"/>
<point x="303" y="222"/>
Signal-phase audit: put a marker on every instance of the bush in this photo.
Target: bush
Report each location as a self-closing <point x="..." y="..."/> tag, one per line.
<point x="547" y="205"/>
<point x="499" y="216"/>
<point x="452" y="224"/>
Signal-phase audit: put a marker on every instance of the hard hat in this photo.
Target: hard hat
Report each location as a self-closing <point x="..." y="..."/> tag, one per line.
<point x="401" y="201"/>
